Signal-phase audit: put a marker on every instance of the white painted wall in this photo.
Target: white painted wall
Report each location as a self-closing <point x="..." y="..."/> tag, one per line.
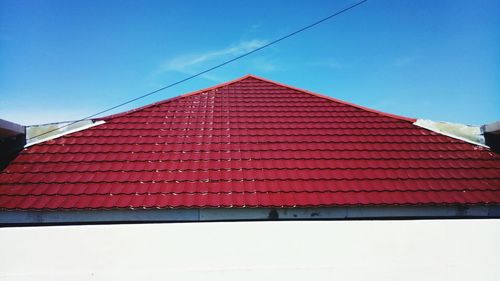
<point x="334" y="250"/>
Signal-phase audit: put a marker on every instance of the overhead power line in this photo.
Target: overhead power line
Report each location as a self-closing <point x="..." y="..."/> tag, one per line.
<point x="209" y="69"/>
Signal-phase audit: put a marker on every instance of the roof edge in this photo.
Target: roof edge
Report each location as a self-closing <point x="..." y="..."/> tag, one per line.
<point x="109" y="216"/>
<point x="399" y="117"/>
<point x="109" y="117"/>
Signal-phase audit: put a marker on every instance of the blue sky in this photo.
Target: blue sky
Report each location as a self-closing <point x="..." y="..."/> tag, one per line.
<point x="64" y="60"/>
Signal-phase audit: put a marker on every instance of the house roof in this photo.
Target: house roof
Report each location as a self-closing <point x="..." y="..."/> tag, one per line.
<point x="250" y="143"/>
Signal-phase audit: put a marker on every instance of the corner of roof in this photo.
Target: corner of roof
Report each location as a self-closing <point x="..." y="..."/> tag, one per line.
<point x="399" y="117"/>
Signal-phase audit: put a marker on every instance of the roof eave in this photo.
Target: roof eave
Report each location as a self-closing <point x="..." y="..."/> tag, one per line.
<point x="358" y="212"/>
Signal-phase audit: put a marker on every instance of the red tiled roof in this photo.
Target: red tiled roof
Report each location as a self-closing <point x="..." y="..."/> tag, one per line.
<point x="250" y="143"/>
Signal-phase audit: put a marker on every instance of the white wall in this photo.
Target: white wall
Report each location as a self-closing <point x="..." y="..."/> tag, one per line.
<point x="335" y="250"/>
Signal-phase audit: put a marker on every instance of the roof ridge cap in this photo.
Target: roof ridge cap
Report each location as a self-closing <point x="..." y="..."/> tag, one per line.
<point x="399" y="117"/>
<point x="112" y="116"/>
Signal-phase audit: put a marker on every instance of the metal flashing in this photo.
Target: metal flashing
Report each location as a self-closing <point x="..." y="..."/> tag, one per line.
<point x="435" y="127"/>
<point x="55" y="136"/>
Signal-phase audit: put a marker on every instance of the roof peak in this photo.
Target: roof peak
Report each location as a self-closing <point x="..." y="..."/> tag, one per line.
<point x="403" y="118"/>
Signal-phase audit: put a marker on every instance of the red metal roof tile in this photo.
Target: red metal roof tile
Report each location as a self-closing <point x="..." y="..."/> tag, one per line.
<point x="250" y="143"/>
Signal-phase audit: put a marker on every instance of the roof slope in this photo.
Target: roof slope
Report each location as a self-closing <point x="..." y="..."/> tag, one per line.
<point x="250" y="143"/>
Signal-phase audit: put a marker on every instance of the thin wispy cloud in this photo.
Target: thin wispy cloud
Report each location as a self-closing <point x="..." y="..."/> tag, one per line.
<point x="193" y="63"/>
<point x="404" y="61"/>
<point x="328" y="63"/>
<point x="264" y="64"/>
<point x="255" y="27"/>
